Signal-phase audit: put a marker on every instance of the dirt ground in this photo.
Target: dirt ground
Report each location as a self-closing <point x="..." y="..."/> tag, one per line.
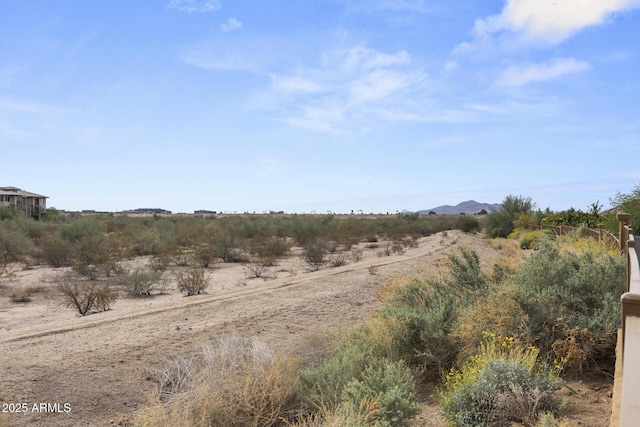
<point x="60" y="369"/>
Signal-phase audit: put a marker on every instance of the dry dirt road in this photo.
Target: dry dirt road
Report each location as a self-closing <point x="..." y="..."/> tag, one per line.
<point x="91" y="370"/>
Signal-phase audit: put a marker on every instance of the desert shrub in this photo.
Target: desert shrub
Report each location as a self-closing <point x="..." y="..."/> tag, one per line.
<point x="563" y="290"/>
<point x="388" y="387"/>
<point x="234" y="382"/>
<point x="267" y="250"/>
<point x="355" y="383"/>
<point x="411" y="242"/>
<point x="357" y="254"/>
<point x="314" y="255"/>
<point x="386" y="251"/>
<point x="467" y="224"/>
<point x="193" y="281"/>
<point x="419" y="316"/>
<point x="503" y="384"/>
<point x="7" y="214"/>
<point x="306" y="229"/>
<point x="255" y="269"/>
<point x="500" y="223"/>
<point x="24" y="295"/>
<point x="13" y="242"/>
<point x="139" y="281"/>
<point x="465" y="269"/>
<point x="495" y="310"/>
<point x="397" y="248"/>
<point x="159" y="263"/>
<point x="204" y="255"/>
<point x="532" y="239"/>
<point x="56" y="251"/>
<point x="337" y="260"/>
<point x="226" y="245"/>
<point x="91" y="256"/>
<point x="84" y="296"/>
<point x="181" y="259"/>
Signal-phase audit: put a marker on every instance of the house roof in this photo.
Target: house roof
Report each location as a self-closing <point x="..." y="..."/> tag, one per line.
<point x="13" y="191"/>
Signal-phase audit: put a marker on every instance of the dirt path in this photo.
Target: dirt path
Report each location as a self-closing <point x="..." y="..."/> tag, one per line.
<point x="93" y="369"/>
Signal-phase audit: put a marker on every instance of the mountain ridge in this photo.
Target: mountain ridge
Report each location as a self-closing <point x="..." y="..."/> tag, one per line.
<point x="469" y="207"/>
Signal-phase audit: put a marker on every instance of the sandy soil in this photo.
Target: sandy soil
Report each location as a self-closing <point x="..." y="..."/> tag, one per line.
<point x="97" y="368"/>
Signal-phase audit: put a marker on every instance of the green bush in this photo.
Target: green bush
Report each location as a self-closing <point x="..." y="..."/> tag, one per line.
<point x="465" y="270"/>
<point x="419" y="317"/>
<point x="315" y="255"/>
<point x="563" y="290"/>
<point x="467" y="223"/>
<point x="322" y="385"/>
<point x="139" y="281"/>
<point x="13" y="243"/>
<point x="500" y="223"/>
<point x="532" y="239"/>
<point x="56" y="251"/>
<point x="503" y="384"/>
<point x="391" y="386"/>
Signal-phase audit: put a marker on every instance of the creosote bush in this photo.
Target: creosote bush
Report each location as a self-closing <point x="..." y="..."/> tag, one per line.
<point x="85" y="296"/>
<point x="315" y="255"/>
<point x="193" y="281"/>
<point x="139" y="281"/>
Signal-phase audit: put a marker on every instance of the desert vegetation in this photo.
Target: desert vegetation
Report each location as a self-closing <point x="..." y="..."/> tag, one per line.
<point x="99" y="250"/>
<point x="494" y="339"/>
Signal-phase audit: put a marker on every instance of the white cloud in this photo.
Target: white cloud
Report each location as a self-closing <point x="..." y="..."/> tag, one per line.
<point x="230" y="25"/>
<point x="363" y="58"/>
<point x="554" y="69"/>
<point x="551" y="21"/>
<point x="195" y="5"/>
<point x="347" y="87"/>
<point x="381" y="84"/>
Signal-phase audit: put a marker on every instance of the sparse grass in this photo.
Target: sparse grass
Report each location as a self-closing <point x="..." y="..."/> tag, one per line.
<point x="24" y="295"/>
<point x="234" y="381"/>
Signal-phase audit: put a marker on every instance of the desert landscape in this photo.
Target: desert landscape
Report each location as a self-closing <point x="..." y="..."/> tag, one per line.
<point x="98" y="368"/>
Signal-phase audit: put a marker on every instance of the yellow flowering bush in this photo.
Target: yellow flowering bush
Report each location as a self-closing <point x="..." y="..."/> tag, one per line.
<point x="502" y="384"/>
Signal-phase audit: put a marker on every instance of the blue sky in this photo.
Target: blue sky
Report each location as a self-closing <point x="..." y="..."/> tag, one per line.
<point x="319" y="105"/>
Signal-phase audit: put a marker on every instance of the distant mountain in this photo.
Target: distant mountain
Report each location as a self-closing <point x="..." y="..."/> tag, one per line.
<point x="470" y="207"/>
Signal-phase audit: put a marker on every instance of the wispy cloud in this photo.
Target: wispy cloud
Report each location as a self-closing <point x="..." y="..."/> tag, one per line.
<point x="550" y="21"/>
<point x="535" y="73"/>
<point x="345" y="88"/>
<point x="195" y="5"/>
<point x="231" y="24"/>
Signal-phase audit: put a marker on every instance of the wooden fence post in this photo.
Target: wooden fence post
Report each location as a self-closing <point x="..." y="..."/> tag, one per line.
<point x="624" y="219"/>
